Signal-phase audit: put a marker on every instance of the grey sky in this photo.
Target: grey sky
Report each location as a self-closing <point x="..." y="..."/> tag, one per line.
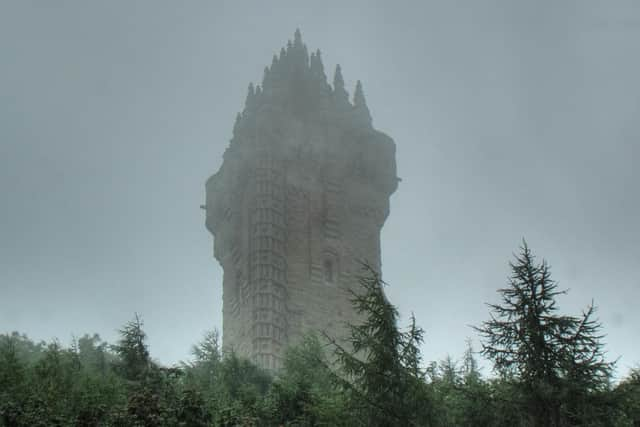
<point x="512" y="119"/>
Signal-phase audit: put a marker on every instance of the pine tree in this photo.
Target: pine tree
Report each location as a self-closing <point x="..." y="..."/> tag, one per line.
<point x="304" y="392"/>
<point x="381" y="370"/>
<point x="547" y="352"/>
<point x="134" y="360"/>
<point x="627" y="396"/>
<point x="204" y="371"/>
<point x="12" y="375"/>
<point x="11" y="367"/>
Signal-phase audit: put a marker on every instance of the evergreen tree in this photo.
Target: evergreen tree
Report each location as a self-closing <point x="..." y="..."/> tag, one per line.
<point x="627" y="398"/>
<point x="12" y="375"/>
<point x="193" y="410"/>
<point x="381" y="370"/>
<point x="548" y="353"/>
<point x="94" y="353"/>
<point x="204" y="371"/>
<point x="304" y="393"/>
<point x="134" y="361"/>
<point x="207" y="351"/>
<point x="11" y="367"/>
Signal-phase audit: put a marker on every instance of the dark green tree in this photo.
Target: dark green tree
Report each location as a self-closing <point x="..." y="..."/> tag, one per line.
<point x="134" y="361"/>
<point x="94" y="354"/>
<point x="12" y="382"/>
<point x="203" y="371"/>
<point x="304" y="393"/>
<point x="627" y="398"/>
<point x="380" y="364"/>
<point x="193" y="410"/>
<point x="243" y="383"/>
<point x="12" y="369"/>
<point x="461" y="397"/>
<point x="554" y="357"/>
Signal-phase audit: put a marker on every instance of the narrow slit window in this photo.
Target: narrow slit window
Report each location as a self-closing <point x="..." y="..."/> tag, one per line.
<point x="328" y="271"/>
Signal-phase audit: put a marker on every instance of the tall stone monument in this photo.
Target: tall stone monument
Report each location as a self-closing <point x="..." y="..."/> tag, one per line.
<point x="298" y="202"/>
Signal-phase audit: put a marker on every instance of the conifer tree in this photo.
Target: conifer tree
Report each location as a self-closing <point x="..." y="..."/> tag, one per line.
<point x="11" y="367"/>
<point x="204" y="371"/>
<point x="134" y="359"/>
<point x="627" y="397"/>
<point x="381" y="370"/>
<point x="547" y="352"/>
<point x="12" y="375"/>
<point x="304" y="392"/>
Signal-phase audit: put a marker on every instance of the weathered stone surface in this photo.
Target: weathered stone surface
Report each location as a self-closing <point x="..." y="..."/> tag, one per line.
<point x="299" y="200"/>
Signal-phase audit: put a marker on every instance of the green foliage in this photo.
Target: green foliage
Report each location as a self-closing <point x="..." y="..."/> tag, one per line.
<point x="551" y="371"/>
<point x="25" y="349"/>
<point x="192" y="409"/>
<point x="231" y="389"/>
<point x="44" y="385"/>
<point x="461" y="396"/>
<point x="94" y="354"/>
<point x="12" y="373"/>
<point x="627" y="399"/>
<point x="203" y="373"/>
<point x="305" y="393"/>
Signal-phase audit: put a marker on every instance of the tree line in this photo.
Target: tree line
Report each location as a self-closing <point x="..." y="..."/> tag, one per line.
<point x="549" y="370"/>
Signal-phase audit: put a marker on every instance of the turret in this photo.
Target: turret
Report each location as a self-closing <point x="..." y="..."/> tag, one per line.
<point x="360" y="105"/>
<point x="340" y="95"/>
<point x="250" y="100"/>
<point x="236" y="125"/>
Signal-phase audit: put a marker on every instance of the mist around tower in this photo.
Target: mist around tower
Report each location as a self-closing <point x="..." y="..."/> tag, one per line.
<point x="311" y="334"/>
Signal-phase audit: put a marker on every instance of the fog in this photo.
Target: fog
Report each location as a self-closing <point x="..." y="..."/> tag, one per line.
<point x="511" y="120"/>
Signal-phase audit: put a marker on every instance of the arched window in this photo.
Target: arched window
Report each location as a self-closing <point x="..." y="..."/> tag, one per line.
<point x="329" y="273"/>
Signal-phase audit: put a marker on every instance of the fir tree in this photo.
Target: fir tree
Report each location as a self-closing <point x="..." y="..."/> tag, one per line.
<point x="134" y="360"/>
<point x="547" y="352"/>
<point x="381" y="371"/>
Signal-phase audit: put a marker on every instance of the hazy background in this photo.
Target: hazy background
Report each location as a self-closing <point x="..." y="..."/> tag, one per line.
<point x="512" y="119"/>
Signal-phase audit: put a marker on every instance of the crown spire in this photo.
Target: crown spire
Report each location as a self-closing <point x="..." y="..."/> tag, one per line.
<point x="296" y="80"/>
<point x="236" y="125"/>
<point x="251" y="97"/>
<point x="338" y="81"/>
<point x="360" y="103"/>
<point x="340" y="95"/>
<point x="319" y="56"/>
<point x="266" y="77"/>
<point x="316" y="65"/>
<point x="358" y="96"/>
<point x="297" y="38"/>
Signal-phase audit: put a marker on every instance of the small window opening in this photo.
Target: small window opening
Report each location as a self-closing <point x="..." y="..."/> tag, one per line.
<point x="328" y="272"/>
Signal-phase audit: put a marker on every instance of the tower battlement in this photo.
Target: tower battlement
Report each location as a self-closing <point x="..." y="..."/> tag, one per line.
<point x="298" y="202"/>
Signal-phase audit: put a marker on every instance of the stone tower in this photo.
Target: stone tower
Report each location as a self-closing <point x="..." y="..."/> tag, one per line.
<point x="298" y="202"/>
